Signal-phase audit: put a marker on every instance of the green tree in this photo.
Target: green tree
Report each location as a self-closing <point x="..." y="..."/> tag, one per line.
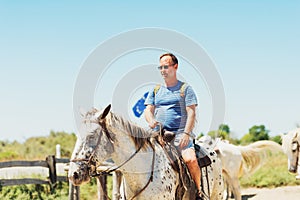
<point x="223" y="132"/>
<point x="225" y="128"/>
<point x="259" y="133"/>
<point x="277" y="139"/>
<point x="256" y="133"/>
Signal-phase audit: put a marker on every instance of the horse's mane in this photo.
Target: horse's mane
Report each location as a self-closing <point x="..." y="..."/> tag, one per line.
<point x="140" y="136"/>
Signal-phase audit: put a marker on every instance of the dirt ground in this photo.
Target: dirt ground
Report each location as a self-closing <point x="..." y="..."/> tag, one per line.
<point x="280" y="193"/>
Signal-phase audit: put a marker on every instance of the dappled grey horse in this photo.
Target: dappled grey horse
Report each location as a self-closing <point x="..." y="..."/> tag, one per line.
<point x="147" y="172"/>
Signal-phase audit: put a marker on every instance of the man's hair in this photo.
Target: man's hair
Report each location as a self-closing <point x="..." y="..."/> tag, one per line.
<point x="174" y="59"/>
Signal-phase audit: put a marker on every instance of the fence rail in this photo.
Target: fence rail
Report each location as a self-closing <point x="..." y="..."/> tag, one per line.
<point x="21" y="163"/>
<point x="49" y="163"/>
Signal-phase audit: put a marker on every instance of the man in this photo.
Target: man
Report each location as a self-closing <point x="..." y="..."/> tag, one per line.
<point x="174" y="106"/>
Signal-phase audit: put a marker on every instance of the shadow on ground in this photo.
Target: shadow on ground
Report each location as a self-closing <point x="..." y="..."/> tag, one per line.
<point x="247" y="196"/>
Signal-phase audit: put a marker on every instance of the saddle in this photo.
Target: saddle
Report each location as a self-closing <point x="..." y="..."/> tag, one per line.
<point x="202" y="156"/>
<point x="201" y="153"/>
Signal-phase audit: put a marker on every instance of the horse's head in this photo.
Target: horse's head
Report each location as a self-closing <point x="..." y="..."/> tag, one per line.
<point x="94" y="145"/>
<point x="290" y="146"/>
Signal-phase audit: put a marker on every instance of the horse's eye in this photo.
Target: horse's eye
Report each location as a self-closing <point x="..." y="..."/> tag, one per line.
<point x="294" y="146"/>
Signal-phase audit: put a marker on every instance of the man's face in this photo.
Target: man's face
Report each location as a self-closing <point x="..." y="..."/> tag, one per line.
<point x="169" y="73"/>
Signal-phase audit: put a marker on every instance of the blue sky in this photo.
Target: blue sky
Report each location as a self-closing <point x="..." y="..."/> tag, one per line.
<point x="254" y="45"/>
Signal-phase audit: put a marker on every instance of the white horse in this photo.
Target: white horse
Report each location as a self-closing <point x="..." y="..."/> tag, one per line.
<point x="237" y="160"/>
<point x="291" y="147"/>
<point x="147" y="172"/>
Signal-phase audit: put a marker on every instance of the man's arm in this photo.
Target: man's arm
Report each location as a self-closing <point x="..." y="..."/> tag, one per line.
<point x="191" y="117"/>
<point x="149" y="116"/>
<point x="190" y="122"/>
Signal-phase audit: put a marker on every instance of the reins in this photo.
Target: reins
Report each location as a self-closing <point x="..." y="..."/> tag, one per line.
<point x="109" y="170"/>
<point x="295" y="141"/>
<point x="150" y="178"/>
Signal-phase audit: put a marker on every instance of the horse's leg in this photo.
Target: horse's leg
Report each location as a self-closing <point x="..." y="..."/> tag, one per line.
<point x="226" y="185"/>
<point x="117" y="179"/>
<point x="236" y="188"/>
<point x="232" y="186"/>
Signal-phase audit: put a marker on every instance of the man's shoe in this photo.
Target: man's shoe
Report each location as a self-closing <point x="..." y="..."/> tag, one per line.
<point x="199" y="197"/>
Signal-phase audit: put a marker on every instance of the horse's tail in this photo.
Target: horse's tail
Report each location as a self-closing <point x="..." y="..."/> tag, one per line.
<point x="253" y="154"/>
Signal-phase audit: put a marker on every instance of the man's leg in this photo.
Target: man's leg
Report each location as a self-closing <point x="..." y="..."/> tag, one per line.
<point x="190" y="159"/>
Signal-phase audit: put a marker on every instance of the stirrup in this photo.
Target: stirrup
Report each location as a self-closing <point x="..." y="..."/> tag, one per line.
<point x="201" y="195"/>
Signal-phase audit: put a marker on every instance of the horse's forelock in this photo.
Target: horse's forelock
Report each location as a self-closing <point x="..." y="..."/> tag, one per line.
<point x="89" y="120"/>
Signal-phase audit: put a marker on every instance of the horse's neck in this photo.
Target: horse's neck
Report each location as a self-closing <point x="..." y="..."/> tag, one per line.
<point x="137" y="170"/>
<point x="124" y="149"/>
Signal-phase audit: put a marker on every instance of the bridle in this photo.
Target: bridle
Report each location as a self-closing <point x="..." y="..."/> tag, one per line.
<point x="296" y="149"/>
<point x="92" y="164"/>
<point x="89" y="161"/>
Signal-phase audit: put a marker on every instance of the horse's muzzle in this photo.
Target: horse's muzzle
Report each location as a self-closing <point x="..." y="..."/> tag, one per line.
<point x="78" y="178"/>
<point x="78" y="174"/>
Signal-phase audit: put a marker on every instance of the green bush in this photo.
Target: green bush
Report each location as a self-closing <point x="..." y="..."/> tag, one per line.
<point x="24" y="192"/>
<point x="273" y="173"/>
<point x="8" y="155"/>
<point x="36" y="148"/>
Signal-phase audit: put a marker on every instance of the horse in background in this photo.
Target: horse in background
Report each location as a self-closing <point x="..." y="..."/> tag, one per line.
<point x="291" y="147"/>
<point x="146" y="169"/>
<point x="239" y="160"/>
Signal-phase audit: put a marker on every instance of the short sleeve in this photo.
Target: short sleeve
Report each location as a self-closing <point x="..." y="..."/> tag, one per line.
<point x="190" y="96"/>
<point x="150" y="98"/>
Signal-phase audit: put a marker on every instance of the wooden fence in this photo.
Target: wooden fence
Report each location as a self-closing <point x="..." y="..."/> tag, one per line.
<point x="49" y="163"/>
<point x="53" y="178"/>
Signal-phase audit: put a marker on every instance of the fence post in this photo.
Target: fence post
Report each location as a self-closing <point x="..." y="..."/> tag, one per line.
<point x="102" y="189"/>
<point x="117" y="178"/>
<point x="52" y="169"/>
<point x="74" y="192"/>
<point x="58" y="154"/>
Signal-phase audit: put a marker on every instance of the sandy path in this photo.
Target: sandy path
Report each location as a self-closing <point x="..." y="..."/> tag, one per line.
<point x="280" y="193"/>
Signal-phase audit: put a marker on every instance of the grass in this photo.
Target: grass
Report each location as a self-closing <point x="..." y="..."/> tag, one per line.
<point x="273" y="173"/>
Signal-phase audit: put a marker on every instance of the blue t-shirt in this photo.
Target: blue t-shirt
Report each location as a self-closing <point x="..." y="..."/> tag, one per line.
<point x="170" y="105"/>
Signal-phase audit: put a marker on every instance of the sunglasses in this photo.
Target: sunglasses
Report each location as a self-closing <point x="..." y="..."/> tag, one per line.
<point x="164" y="67"/>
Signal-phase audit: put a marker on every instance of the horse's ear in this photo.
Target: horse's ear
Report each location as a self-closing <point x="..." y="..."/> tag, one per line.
<point x="82" y="111"/>
<point x="105" y="112"/>
<point x="282" y="135"/>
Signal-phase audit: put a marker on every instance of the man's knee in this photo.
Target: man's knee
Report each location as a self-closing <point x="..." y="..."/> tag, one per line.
<point x="189" y="156"/>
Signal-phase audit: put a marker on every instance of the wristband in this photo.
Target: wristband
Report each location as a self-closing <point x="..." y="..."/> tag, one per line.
<point x="189" y="134"/>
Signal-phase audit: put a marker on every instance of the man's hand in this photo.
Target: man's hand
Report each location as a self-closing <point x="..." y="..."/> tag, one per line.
<point x="149" y="115"/>
<point x="153" y="123"/>
<point x="184" y="141"/>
